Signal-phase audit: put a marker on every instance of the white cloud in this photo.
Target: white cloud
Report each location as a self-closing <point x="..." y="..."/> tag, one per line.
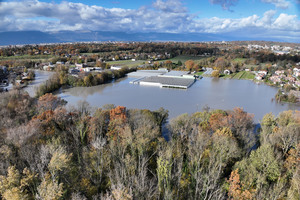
<point x="278" y="3"/>
<point x="174" y="6"/>
<point x="162" y="16"/>
<point x="284" y="23"/>
<point x="287" y="22"/>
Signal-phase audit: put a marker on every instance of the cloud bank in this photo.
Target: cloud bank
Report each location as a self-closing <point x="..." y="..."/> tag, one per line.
<point x="162" y="16"/>
<point x="278" y="3"/>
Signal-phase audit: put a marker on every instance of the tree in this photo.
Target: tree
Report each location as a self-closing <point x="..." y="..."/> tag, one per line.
<point x="50" y="189"/>
<point x="260" y="170"/>
<point x="215" y="73"/>
<point x="16" y="186"/>
<point x="235" y="189"/>
<point x="189" y="64"/>
<point x="49" y="102"/>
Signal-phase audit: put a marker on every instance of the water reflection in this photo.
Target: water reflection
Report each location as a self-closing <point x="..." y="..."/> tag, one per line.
<point x="40" y="77"/>
<point x="215" y="93"/>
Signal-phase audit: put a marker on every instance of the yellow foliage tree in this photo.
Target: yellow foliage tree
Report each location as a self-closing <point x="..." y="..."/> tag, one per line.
<point x="14" y="186"/>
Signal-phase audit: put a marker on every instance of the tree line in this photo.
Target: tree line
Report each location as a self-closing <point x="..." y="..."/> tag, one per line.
<point x="51" y="152"/>
<point x="63" y="78"/>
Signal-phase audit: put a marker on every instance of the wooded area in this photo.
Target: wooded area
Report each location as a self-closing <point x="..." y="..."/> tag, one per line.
<point x="51" y="152"/>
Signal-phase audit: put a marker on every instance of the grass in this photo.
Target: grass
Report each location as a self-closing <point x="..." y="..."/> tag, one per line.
<point x="183" y="59"/>
<point x="240" y="60"/>
<point x="26" y="57"/>
<point x="199" y="73"/>
<point x="248" y="76"/>
<point x="128" y="63"/>
<point x="227" y="76"/>
<point x="240" y="75"/>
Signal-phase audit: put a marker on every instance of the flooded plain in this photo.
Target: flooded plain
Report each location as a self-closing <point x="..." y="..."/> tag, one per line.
<point x="215" y="93"/>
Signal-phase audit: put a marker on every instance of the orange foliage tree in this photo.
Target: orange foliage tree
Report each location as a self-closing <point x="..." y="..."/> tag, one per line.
<point x="49" y="102"/>
<point x="118" y="113"/>
<point x="236" y="191"/>
<point x="189" y="64"/>
<point x="117" y="121"/>
<point x="219" y="120"/>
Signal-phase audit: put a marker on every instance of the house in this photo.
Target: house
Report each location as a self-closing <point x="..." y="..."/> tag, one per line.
<point x="260" y="75"/>
<point x="49" y="67"/>
<point x="79" y="66"/>
<point x="60" y="63"/>
<point x="291" y="79"/>
<point x="227" y="72"/>
<point x="296" y="72"/>
<point x="115" y="67"/>
<point x="262" y="72"/>
<point x="279" y="72"/>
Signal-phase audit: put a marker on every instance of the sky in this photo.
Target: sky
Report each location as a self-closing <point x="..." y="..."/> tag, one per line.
<point x="268" y="18"/>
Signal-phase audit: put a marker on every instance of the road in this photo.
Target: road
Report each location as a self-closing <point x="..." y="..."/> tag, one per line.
<point x="208" y="71"/>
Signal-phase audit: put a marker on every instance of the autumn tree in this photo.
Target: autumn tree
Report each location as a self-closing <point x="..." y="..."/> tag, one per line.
<point x="215" y="73"/>
<point x="17" y="186"/>
<point x="236" y="190"/>
<point x="49" y="102"/>
<point x="189" y="64"/>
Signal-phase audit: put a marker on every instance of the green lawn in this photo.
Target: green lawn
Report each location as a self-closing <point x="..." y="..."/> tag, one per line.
<point x="240" y="60"/>
<point x="184" y="58"/>
<point x="199" y="73"/>
<point x="26" y="57"/>
<point x="240" y="75"/>
<point x="128" y="63"/>
<point x="248" y="76"/>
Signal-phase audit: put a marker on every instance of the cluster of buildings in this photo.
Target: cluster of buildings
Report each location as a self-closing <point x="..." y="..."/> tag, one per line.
<point x="277" y="49"/>
<point x="280" y="77"/>
<point x="163" y="78"/>
<point x="259" y="75"/>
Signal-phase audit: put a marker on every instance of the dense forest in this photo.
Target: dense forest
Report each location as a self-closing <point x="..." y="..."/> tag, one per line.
<point x="49" y="151"/>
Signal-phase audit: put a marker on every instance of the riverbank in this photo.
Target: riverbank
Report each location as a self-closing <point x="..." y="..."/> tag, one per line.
<point x="63" y="78"/>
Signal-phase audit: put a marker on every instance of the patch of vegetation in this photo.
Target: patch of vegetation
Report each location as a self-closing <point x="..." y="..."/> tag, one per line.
<point x="199" y="73"/>
<point x="127" y="63"/>
<point x="238" y="75"/>
<point x="248" y="76"/>
<point x="62" y="78"/>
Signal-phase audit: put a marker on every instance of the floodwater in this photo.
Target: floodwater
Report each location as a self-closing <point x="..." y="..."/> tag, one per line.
<point x="40" y="77"/>
<point x="215" y="93"/>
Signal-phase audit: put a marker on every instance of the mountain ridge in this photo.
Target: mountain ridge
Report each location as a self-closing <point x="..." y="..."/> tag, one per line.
<point x="38" y="37"/>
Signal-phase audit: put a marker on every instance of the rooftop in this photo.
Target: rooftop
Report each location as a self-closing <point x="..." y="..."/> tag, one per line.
<point x="167" y="81"/>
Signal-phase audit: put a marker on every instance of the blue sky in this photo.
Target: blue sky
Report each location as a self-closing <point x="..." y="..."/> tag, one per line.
<point x="272" y="18"/>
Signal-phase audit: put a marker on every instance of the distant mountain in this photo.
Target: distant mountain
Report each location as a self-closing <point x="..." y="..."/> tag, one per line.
<point x="26" y="37"/>
<point x="37" y="37"/>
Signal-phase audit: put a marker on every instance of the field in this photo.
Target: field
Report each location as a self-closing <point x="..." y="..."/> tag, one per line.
<point x="128" y="63"/>
<point x="240" y="75"/>
<point x="240" y="60"/>
<point x="26" y="57"/>
<point x="199" y="73"/>
<point x="184" y="58"/>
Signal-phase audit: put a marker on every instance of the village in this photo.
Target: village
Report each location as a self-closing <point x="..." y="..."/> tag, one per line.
<point x="273" y="64"/>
